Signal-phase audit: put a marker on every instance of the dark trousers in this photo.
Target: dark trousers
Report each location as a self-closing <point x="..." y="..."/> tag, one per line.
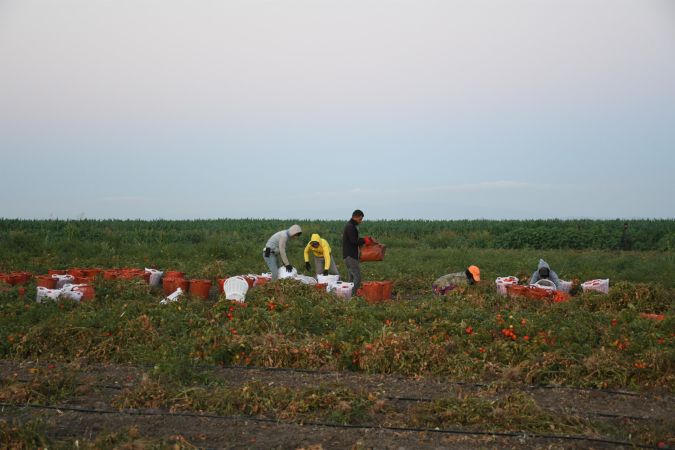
<point x="354" y="272"/>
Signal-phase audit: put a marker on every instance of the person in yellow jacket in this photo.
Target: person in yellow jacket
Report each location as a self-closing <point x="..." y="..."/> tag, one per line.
<point x="322" y="256"/>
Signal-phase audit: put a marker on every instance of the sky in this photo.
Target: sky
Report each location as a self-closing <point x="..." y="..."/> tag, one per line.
<point x="309" y="109"/>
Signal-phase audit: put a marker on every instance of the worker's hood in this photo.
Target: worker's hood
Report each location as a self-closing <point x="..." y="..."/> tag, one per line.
<point x="543" y="263"/>
<point x="315" y="238"/>
<point x="294" y="229"/>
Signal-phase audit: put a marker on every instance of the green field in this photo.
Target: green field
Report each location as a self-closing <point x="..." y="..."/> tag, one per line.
<point x="592" y="341"/>
<point x="418" y="251"/>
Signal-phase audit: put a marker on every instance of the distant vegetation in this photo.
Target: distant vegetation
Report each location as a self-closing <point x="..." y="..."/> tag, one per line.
<point x="636" y="250"/>
<point x="20" y="235"/>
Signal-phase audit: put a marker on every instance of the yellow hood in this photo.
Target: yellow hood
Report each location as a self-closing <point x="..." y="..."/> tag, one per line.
<point x="323" y="250"/>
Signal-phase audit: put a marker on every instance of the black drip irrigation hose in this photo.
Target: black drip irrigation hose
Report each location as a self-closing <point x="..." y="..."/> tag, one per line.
<point x="338" y="374"/>
<point x="590" y="413"/>
<point x="621" y="416"/>
<point x="509" y="434"/>
<point x="394" y="398"/>
<point x="458" y="383"/>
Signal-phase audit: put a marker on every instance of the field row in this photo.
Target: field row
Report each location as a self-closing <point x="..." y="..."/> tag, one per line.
<point x="591" y="340"/>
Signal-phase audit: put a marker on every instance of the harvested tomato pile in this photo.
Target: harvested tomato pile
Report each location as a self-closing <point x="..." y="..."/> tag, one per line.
<point x="536" y="293"/>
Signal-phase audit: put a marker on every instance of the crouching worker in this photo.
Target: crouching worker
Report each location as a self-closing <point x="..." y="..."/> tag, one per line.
<point x="323" y="260"/>
<point x="448" y="282"/>
<point x="276" y="248"/>
<point x="544" y="272"/>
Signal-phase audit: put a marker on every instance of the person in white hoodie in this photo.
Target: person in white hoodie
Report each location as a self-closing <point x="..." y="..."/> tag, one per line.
<point x="544" y="272"/>
<point x="276" y="248"/>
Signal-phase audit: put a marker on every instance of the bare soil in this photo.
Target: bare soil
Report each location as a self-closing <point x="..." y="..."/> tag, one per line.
<point x="98" y="385"/>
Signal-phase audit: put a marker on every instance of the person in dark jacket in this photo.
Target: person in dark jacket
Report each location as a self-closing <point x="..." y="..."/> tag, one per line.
<point x="350" y="248"/>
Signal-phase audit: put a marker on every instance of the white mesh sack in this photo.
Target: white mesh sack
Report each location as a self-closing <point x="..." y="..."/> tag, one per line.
<point x="502" y="282"/>
<point x="283" y="273"/>
<point x="44" y="294"/>
<point x="62" y="280"/>
<point x="343" y="289"/>
<point x="70" y="291"/>
<point x="173" y="297"/>
<point x="305" y="279"/>
<point x="155" y="277"/>
<point x="328" y="280"/>
<point x="235" y="288"/>
<point x="545" y="284"/>
<point x="599" y="285"/>
<point x="564" y="285"/>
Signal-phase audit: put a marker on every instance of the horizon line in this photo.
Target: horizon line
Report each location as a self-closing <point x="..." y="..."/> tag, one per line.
<point x="159" y="219"/>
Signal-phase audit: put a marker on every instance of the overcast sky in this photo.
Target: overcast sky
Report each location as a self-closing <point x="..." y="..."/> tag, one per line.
<point x="311" y="108"/>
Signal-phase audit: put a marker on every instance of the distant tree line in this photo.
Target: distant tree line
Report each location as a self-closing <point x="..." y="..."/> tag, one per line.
<point x="91" y="236"/>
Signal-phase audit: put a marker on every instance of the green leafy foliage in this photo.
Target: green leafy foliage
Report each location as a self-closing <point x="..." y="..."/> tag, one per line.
<point x="473" y="333"/>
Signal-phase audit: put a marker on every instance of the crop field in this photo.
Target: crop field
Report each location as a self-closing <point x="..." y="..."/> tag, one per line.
<point x="296" y="367"/>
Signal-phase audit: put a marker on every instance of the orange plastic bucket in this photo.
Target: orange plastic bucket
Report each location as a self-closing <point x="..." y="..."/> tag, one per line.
<point x="386" y="289"/>
<point x="76" y="272"/>
<point x="83" y="280"/>
<point x="372" y="291"/>
<point x="110" y="274"/>
<point x="169" y="284"/>
<point x="57" y="272"/>
<point x="124" y="274"/>
<point x="46" y="281"/>
<point x="200" y="288"/>
<point x="9" y="278"/>
<point x="174" y="274"/>
<point x="19" y="278"/>
<point x="182" y="283"/>
<point x="130" y="274"/>
<point x="221" y="283"/>
<point x="88" y="292"/>
<point x="91" y="273"/>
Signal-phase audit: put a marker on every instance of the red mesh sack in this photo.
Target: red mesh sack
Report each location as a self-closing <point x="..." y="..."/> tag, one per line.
<point x="372" y="252"/>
